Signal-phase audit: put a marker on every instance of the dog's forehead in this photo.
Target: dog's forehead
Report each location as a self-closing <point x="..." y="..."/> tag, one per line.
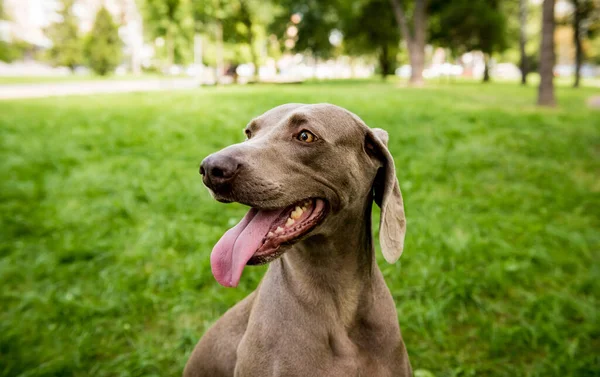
<point x="329" y="120"/>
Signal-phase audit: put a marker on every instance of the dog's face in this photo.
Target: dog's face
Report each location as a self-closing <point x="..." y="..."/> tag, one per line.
<point x="292" y="153"/>
<point x="300" y="166"/>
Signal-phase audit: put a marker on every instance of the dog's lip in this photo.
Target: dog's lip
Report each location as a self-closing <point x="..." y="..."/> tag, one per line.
<point x="273" y="246"/>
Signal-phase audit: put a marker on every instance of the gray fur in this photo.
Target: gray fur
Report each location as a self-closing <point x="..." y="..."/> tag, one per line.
<point x="322" y="308"/>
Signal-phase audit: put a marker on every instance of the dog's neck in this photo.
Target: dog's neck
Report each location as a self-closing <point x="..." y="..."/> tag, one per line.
<point x="333" y="272"/>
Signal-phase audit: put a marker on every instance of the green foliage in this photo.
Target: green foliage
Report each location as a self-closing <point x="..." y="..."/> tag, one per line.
<point x="106" y="228"/>
<point x="467" y="25"/>
<point x="377" y="35"/>
<point x="319" y="18"/>
<point x="593" y="50"/>
<point x="11" y="51"/>
<point x="171" y="20"/>
<point x="103" y="44"/>
<point x="67" y="46"/>
<point x="589" y="16"/>
<point x="7" y="54"/>
<point x="242" y="24"/>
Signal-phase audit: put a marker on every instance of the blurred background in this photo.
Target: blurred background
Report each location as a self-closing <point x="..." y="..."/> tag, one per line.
<point x="107" y="108"/>
<point x="222" y="41"/>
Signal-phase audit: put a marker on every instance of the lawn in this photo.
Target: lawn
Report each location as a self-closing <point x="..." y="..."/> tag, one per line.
<point x="10" y="80"/>
<point x="106" y="229"/>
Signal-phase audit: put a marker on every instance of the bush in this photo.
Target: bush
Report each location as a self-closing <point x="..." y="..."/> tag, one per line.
<point x="103" y="45"/>
<point x="11" y="51"/>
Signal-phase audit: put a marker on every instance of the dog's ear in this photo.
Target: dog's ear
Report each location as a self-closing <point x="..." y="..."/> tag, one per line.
<point x="387" y="195"/>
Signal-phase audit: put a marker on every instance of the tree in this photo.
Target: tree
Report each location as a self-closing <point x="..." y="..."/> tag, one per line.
<point x="316" y="20"/>
<point x="586" y="22"/>
<point x="546" y="87"/>
<point x="67" y="47"/>
<point x="171" y="20"/>
<point x="6" y="52"/>
<point x="239" y="23"/>
<point x="523" y="64"/>
<point x="218" y="19"/>
<point x="254" y="14"/>
<point x="12" y="49"/>
<point x="245" y="26"/>
<point x="415" y="38"/>
<point x="377" y="34"/>
<point x="469" y="25"/>
<point x="103" y="45"/>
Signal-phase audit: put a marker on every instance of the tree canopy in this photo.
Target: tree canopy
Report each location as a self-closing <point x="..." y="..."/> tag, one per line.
<point x="377" y="35"/>
<point x="467" y="25"/>
<point x="316" y="19"/>
<point x="67" y="46"/>
<point x="103" y="45"/>
<point x="172" y="22"/>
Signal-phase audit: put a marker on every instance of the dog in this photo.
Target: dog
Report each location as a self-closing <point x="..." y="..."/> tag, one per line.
<point x="310" y="174"/>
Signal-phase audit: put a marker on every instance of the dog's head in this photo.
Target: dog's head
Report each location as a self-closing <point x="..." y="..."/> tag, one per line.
<point x="300" y="166"/>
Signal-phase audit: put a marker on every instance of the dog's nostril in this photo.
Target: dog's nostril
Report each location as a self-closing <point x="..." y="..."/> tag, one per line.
<point x="217" y="172"/>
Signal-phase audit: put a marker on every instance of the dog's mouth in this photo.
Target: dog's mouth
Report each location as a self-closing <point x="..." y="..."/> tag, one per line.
<point x="261" y="236"/>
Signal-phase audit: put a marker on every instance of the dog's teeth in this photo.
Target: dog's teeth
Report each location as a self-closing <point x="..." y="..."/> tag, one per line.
<point x="289" y="222"/>
<point x="279" y="230"/>
<point x="270" y="234"/>
<point x="296" y="213"/>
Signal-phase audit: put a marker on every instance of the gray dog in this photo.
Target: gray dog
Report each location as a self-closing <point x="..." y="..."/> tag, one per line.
<point x="310" y="174"/>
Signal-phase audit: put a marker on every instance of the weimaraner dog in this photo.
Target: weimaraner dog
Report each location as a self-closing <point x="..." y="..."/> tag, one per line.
<point x="310" y="174"/>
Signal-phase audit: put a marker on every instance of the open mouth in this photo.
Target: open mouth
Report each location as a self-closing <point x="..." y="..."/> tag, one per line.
<point x="258" y="238"/>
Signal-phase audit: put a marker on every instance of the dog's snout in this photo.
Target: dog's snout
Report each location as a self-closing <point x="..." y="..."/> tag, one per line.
<point x="218" y="169"/>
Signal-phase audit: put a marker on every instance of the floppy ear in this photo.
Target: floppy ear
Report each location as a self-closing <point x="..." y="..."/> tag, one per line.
<point x="387" y="195"/>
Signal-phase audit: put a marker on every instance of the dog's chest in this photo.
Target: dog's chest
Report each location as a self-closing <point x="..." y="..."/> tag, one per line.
<point x="306" y="355"/>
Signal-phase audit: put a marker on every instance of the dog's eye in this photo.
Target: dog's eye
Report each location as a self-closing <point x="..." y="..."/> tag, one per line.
<point x="306" y="136"/>
<point x="248" y="133"/>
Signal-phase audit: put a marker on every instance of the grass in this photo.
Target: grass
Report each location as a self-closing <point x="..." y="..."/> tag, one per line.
<point x="10" y="80"/>
<point x="533" y="79"/>
<point x="106" y="230"/>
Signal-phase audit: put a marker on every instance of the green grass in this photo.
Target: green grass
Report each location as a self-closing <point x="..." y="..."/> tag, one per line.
<point x="10" y="80"/>
<point x="533" y="79"/>
<point x="106" y="229"/>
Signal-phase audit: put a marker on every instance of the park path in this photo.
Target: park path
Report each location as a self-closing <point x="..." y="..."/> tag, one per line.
<point x="38" y="90"/>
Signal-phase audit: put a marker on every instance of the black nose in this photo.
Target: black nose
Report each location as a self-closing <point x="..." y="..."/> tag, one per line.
<point x="218" y="169"/>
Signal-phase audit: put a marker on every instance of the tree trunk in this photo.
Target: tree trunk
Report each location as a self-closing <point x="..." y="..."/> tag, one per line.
<point x="486" y="68"/>
<point x="219" y="37"/>
<point x="523" y="40"/>
<point x="170" y="42"/>
<point x="577" y="40"/>
<point x="415" y="41"/>
<point x="384" y="62"/>
<point x="417" y="63"/>
<point x="546" y="88"/>
<point x="253" y="54"/>
<point x="198" y="56"/>
<point x="420" y="26"/>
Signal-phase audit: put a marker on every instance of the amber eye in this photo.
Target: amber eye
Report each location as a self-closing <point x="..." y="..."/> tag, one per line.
<point x="306" y="136"/>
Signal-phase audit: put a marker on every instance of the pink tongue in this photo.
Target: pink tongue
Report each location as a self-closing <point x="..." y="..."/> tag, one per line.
<point x="238" y="244"/>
